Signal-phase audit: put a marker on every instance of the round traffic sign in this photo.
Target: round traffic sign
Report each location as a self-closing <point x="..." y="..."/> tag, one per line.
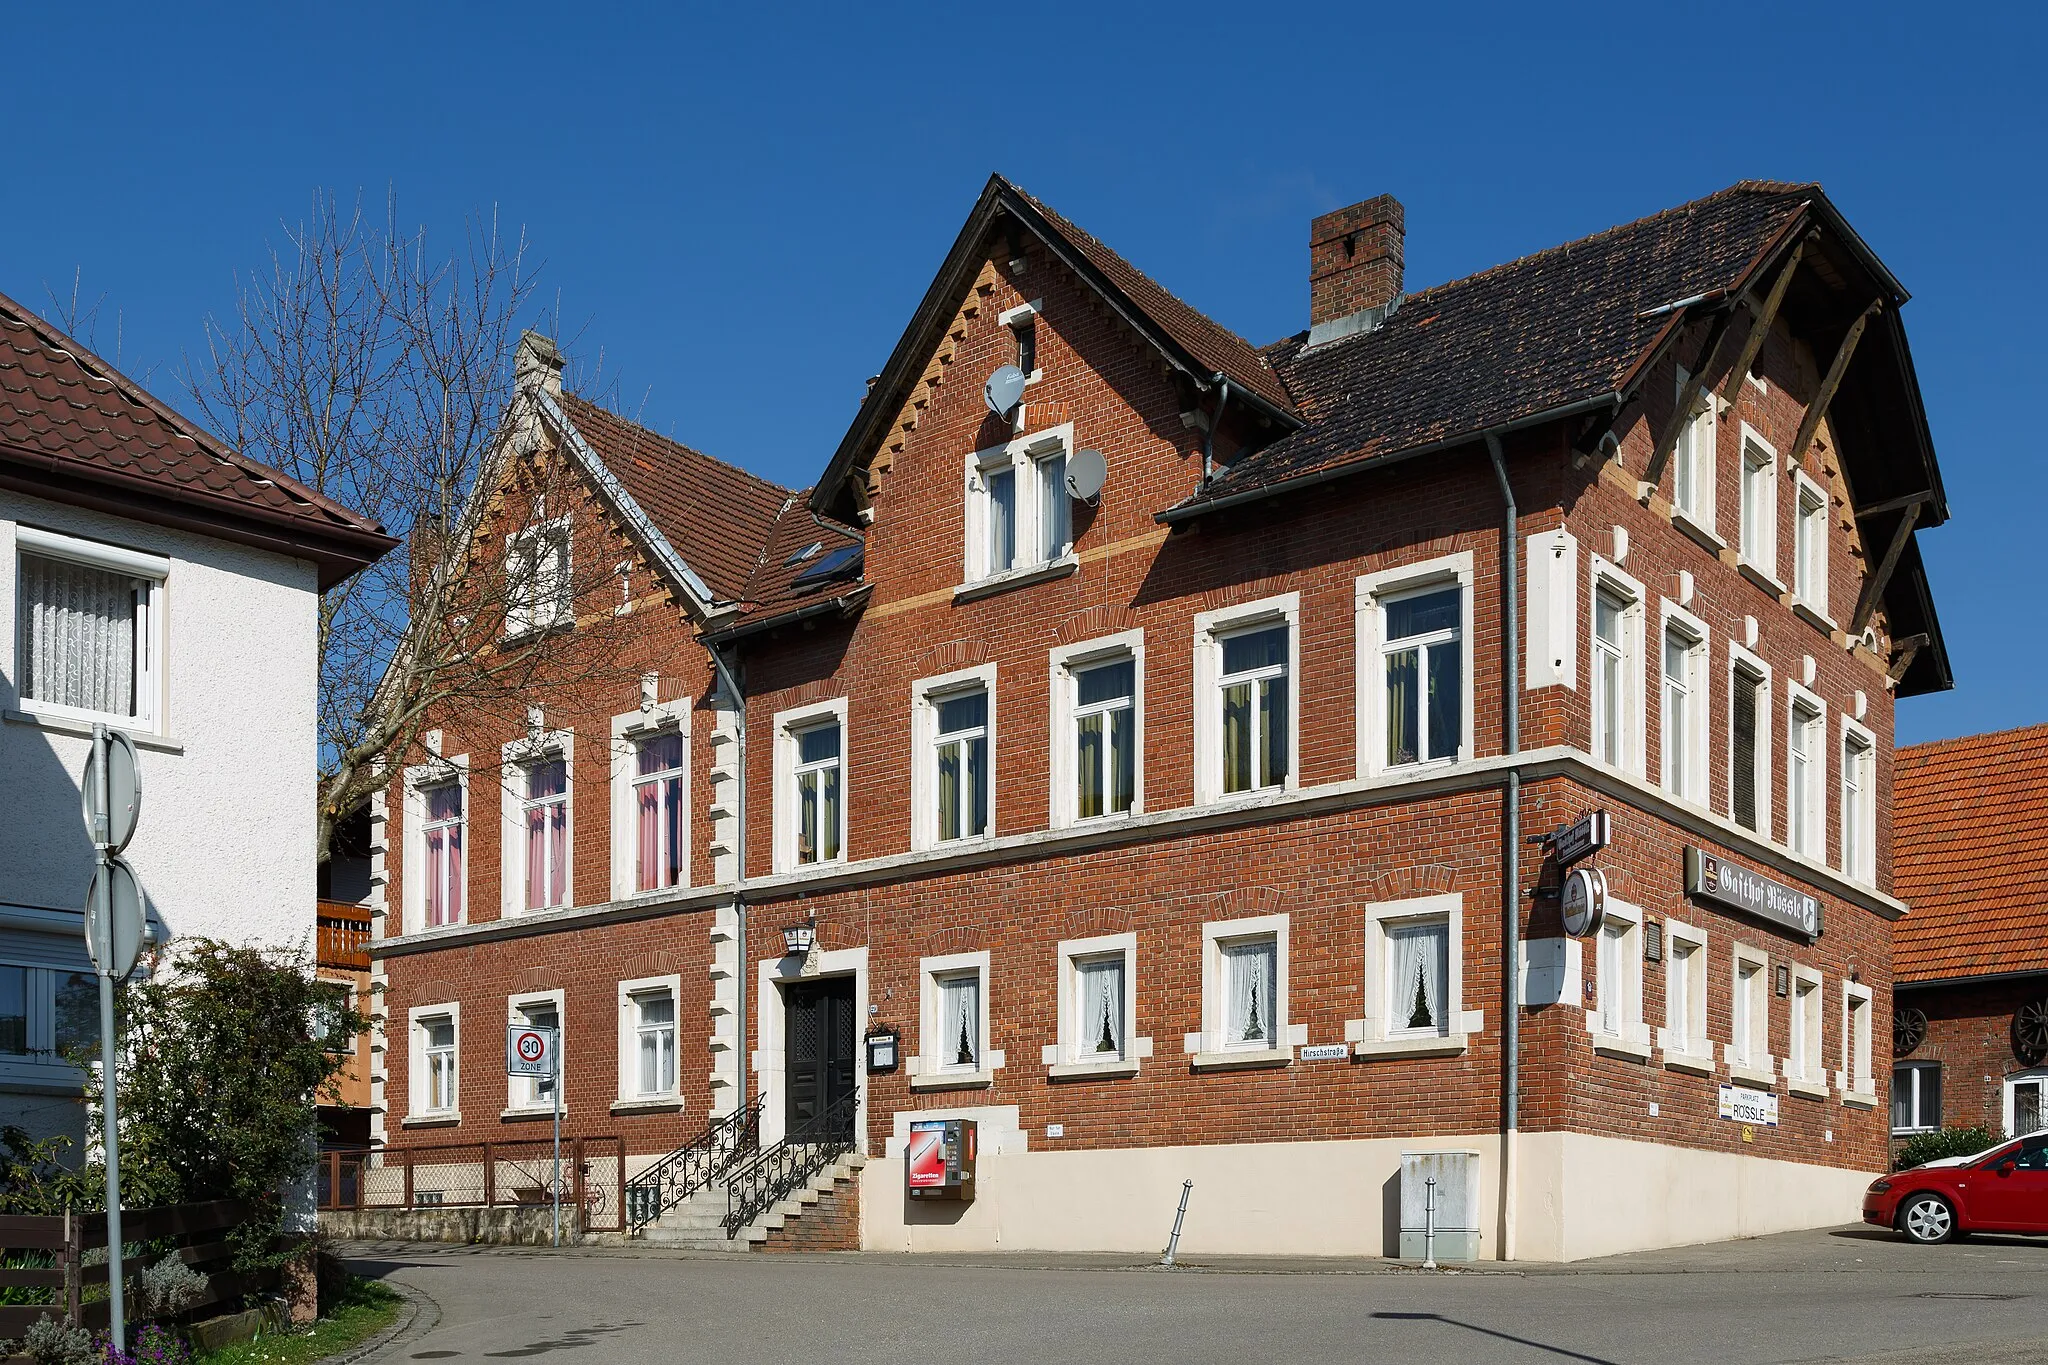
<point x="125" y="898"/>
<point x="124" y="790"/>
<point x="532" y="1047"/>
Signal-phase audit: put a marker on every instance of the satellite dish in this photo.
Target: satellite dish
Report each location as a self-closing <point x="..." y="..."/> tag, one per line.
<point x="1086" y="469"/>
<point x="1003" y="389"/>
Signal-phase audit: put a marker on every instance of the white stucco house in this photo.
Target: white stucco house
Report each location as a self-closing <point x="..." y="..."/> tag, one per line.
<point x="153" y="579"/>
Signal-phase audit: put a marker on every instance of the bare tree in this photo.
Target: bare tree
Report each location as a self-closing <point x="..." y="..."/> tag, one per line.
<point x="378" y="370"/>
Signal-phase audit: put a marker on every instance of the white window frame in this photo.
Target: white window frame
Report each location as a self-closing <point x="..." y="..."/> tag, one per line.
<point x="1812" y="819"/>
<point x="1377" y="1035"/>
<point x="1064" y="662"/>
<point x="1210" y="1049"/>
<point x="42" y="1065"/>
<point x="523" y="1094"/>
<point x="789" y="726"/>
<point x="630" y="995"/>
<point x="2008" y="1111"/>
<point x="416" y="1021"/>
<point x="1370" y="593"/>
<point x="418" y="780"/>
<point x="627" y="732"/>
<point x="927" y="1071"/>
<point x="515" y="758"/>
<point x="1686" y="1048"/>
<point x="1071" y="1055"/>
<point x="1630" y="1037"/>
<point x="1695" y="462"/>
<point x="1854" y="1080"/>
<point x="1766" y="784"/>
<point x="1606" y="577"/>
<point x="1758" y="1067"/>
<point x="1806" y="1034"/>
<point x="1810" y="544"/>
<point x="1918" y="1068"/>
<point x="1858" y="790"/>
<point x="925" y="696"/>
<point x="1211" y="629"/>
<point x="1021" y="456"/>
<point x="1759" y="551"/>
<point x="1699" y="695"/>
<point x="150" y="572"/>
<point x="524" y="617"/>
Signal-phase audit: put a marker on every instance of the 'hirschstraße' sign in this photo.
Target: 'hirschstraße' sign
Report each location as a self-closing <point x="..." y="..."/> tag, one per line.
<point x="1709" y="877"/>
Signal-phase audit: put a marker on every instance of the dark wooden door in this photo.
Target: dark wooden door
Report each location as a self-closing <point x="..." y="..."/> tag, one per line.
<point x="820" y="1046"/>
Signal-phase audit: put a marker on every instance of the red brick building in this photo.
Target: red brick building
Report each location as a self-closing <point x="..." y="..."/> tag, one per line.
<point x="1970" y="1030"/>
<point x="1150" y="741"/>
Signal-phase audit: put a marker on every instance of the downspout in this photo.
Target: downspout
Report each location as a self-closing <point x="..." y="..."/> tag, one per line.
<point x="730" y="683"/>
<point x="1511" y="851"/>
<point x="1215" y="421"/>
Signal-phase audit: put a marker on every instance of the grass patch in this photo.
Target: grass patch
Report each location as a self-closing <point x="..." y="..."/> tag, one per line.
<point x="356" y="1310"/>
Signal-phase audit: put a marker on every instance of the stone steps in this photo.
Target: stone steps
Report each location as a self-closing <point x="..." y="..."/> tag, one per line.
<point x="698" y="1223"/>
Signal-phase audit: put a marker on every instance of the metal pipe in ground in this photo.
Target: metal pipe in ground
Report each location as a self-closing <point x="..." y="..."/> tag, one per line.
<point x="1429" y="1223"/>
<point x="1180" y="1214"/>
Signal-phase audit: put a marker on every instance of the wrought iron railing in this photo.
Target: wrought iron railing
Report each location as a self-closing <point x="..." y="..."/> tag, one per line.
<point x="688" y="1169"/>
<point x="753" y="1187"/>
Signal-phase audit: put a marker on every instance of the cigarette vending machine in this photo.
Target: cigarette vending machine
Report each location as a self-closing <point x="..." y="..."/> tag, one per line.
<point x="939" y="1162"/>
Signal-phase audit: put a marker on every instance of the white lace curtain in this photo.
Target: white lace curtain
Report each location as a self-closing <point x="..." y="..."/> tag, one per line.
<point x="1250" y="983"/>
<point x="1101" y="1022"/>
<point x="1417" y="976"/>
<point x="960" y="1021"/>
<point x="80" y="636"/>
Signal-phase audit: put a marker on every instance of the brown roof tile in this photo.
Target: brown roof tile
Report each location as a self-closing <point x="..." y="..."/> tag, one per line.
<point x="1970" y="821"/>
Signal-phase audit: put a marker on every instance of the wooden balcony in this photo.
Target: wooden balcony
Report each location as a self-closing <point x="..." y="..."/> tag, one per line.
<point x="343" y="940"/>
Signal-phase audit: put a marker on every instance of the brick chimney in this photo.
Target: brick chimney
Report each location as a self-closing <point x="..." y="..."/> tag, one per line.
<point x="1354" y="259"/>
<point x="537" y="363"/>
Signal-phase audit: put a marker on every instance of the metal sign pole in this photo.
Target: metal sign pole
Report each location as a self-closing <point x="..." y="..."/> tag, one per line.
<point x="555" y="1054"/>
<point x="103" y="843"/>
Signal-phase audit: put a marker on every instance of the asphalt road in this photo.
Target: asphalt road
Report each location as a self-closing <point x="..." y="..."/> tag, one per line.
<point x="1847" y="1295"/>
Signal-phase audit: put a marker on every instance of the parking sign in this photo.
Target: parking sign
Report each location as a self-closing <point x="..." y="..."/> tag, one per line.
<point x="529" y="1051"/>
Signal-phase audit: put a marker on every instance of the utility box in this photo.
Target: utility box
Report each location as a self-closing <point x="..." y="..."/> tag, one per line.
<point x="1457" y="1204"/>
<point x="939" y="1162"/>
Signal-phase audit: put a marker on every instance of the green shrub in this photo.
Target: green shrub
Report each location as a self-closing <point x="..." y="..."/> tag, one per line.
<point x="1922" y="1148"/>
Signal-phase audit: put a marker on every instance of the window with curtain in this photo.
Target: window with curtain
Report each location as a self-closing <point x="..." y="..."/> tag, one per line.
<point x="658" y="811"/>
<point x="1681" y="712"/>
<point x="1251" y="980"/>
<point x="1684" y="994"/>
<point x="1418" y="978"/>
<point x="545" y="811"/>
<point x="960" y="1021"/>
<point x="1422" y="661"/>
<point x="654" y="1042"/>
<point x="442" y="834"/>
<point x="1099" y="1009"/>
<point x="1810" y="548"/>
<point x="1105" y="738"/>
<point x="539" y="1091"/>
<point x="437" y="1038"/>
<point x="85" y="639"/>
<point x="1610" y="675"/>
<point x="999" y="512"/>
<point x="818" y="808"/>
<point x="1255" y="708"/>
<point x="1916" y="1097"/>
<point x="537" y="578"/>
<point x="1858" y="846"/>
<point x="2028" y="1112"/>
<point x="1055" y="509"/>
<point x="961" y="760"/>
<point x="1745" y="782"/>
<point x="1802" y="783"/>
<point x="1759" y="507"/>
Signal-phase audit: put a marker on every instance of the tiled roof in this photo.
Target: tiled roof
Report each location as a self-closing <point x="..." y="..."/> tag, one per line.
<point x="1970" y="853"/>
<point x="716" y="516"/>
<point x="1523" y="338"/>
<point x="1217" y="348"/>
<point x="773" y="588"/>
<point x="74" y="420"/>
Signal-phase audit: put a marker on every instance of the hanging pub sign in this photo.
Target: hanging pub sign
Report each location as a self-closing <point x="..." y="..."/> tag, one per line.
<point x="1714" y="879"/>
<point x="1584" y="901"/>
<point x="1581" y="839"/>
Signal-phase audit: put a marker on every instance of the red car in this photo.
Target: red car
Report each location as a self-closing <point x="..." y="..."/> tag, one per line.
<point x="2004" y="1189"/>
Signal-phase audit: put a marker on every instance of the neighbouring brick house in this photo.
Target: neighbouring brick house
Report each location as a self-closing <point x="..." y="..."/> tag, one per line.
<point x="1970" y="1031"/>
<point x="1184" y="831"/>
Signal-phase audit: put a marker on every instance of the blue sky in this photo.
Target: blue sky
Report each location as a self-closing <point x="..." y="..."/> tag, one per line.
<point x="738" y="210"/>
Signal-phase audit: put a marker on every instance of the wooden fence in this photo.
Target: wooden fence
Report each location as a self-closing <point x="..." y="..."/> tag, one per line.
<point x="486" y="1175"/>
<point x="198" y="1234"/>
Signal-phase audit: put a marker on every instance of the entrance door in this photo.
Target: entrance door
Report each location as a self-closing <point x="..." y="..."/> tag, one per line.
<point x="819" y="1048"/>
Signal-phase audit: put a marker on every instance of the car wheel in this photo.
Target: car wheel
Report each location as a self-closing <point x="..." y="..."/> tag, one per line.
<point x="1927" y="1219"/>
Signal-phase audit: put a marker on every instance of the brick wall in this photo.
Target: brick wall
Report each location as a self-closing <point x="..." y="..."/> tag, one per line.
<point x="831" y="1224"/>
<point x="1969" y="1032"/>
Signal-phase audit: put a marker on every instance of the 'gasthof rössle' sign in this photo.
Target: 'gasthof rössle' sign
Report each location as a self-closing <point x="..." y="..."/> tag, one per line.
<point x="1712" y="878"/>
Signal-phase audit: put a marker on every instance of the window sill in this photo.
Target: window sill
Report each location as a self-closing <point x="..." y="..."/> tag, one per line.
<point x="1433" y="1045"/>
<point x="1628" y="1049"/>
<point x="1860" y="1099"/>
<point x="954" y="1080"/>
<point x="1762" y="1078"/>
<point x="1708" y="541"/>
<point x="525" y="1115"/>
<point x="1249" y="1059"/>
<point x="1809" y="1090"/>
<point x="1817" y="619"/>
<point x="1696" y="1063"/>
<point x="1081" y="1071"/>
<point x="653" y="1104"/>
<point x="445" y="1120"/>
<point x="72" y="725"/>
<point x="1761" y="578"/>
<point x="1066" y="564"/>
<point x="526" y="635"/>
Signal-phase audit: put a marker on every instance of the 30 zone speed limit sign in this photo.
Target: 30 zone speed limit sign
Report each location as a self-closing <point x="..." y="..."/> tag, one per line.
<point x="529" y="1051"/>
